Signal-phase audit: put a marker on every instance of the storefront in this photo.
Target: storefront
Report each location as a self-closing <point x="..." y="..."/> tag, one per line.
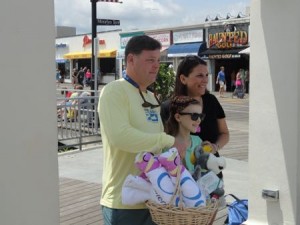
<point x="62" y="64"/>
<point x="79" y="53"/>
<point x="186" y="42"/>
<point x="224" y="44"/>
<point x="218" y="42"/>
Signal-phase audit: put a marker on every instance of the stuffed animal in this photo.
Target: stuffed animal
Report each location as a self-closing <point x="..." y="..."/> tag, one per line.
<point x="171" y="161"/>
<point x="146" y="162"/>
<point x="208" y="162"/>
<point x="159" y="178"/>
<point x="211" y="162"/>
<point x="192" y="194"/>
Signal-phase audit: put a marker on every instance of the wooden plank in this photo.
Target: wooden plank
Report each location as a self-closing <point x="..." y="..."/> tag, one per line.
<point x="81" y="197"/>
<point x="79" y="202"/>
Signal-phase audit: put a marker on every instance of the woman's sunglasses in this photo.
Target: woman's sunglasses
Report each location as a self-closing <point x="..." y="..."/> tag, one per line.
<point x="194" y="116"/>
<point x="147" y="104"/>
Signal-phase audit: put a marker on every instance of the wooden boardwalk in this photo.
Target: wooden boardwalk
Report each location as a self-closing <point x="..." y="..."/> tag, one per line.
<point x="79" y="200"/>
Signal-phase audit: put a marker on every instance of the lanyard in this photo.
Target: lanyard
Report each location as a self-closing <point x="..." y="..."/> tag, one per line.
<point x="126" y="77"/>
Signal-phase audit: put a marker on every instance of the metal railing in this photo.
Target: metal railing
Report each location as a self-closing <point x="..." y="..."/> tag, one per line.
<point x="77" y="121"/>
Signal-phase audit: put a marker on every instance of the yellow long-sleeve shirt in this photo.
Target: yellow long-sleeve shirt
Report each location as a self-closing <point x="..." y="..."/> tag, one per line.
<point x="126" y="129"/>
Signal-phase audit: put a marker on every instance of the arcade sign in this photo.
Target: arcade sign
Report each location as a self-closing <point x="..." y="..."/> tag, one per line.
<point x="224" y="38"/>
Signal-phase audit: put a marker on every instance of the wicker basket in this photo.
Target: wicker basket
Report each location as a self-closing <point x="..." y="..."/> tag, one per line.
<point x="172" y="215"/>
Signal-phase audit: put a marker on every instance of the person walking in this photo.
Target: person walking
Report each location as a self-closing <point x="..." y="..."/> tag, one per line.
<point x="192" y="80"/>
<point x="130" y="123"/>
<point x="232" y="80"/>
<point x="221" y="81"/>
<point x="80" y="76"/>
<point x="247" y="78"/>
<point x="62" y="76"/>
<point x="88" y="77"/>
<point x="74" y="77"/>
<point x="57" y="77"/>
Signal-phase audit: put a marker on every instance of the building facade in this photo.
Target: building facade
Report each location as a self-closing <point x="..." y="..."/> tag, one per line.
<point x="219" y="42"/>
<point x="76" y="52"/>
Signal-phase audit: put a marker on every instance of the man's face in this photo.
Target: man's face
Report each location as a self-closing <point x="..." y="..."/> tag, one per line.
<point x="146" y="66"/>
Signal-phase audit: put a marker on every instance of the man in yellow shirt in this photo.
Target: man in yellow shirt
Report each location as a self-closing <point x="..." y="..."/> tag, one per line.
<point x="130" y="123"/>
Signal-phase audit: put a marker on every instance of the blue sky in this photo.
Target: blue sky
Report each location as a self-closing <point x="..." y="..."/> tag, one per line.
<point x="144" y="14"/>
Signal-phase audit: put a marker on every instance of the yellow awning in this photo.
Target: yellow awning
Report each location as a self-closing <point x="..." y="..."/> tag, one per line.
<point x="110" y="53"/>
<point x="78" y="55"/>
<point x="107" y="53"/>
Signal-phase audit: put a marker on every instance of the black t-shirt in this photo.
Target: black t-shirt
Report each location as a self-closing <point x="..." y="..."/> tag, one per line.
<point x="81" y="74"/>
<point x="213" y="111"/>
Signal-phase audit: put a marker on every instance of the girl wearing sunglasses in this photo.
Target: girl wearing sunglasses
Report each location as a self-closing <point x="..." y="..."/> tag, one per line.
<point x="192" y="80"/>
<point x="185" y="118"/>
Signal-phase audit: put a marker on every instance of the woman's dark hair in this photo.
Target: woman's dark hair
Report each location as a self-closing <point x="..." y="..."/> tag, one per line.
<point x="177" y="105"/>
<point x="137" y="44"/>
<point x="185" y="67"/>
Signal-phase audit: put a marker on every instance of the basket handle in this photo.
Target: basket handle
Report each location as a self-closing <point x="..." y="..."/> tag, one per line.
<point x="177" y="191"/>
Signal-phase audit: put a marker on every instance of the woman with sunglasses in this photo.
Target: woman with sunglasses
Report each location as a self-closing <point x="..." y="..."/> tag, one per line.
<point x="185" y="118"/>
<point x="192" y="80"/>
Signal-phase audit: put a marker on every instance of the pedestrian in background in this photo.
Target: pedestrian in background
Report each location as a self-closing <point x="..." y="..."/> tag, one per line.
<point x="57" y="77"/>
<point x="81" y="76"/>
<point x="247" y="78"/>
<point x="130" y="123"/>
<point x="221" y="81"/>
<point x="241" y="75"/>
<point x="88" y="77"/>
<point x="232" y="79"/>
<point x="74" y="77"/>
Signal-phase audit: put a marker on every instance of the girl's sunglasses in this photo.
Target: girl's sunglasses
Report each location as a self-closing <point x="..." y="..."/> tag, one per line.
<point x="194" y="116"/>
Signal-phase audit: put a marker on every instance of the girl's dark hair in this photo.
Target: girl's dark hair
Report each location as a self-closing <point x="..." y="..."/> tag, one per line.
<point x="185" y="67"/>
<point x="177" y="105"/>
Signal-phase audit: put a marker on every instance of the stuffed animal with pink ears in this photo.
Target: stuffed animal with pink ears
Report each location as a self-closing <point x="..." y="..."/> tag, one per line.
<point x="191" y="193"/>
<point x="146" y="162"/>
<point x="157" y="175"/>
<point x="171" y="161"/>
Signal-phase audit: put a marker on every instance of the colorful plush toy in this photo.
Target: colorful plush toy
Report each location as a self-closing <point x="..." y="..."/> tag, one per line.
<point x="208" y="161"/>
<point x="160" y="179"/>
<point x="146" y="162"/>
<point x="205" y="162"/>
<point x="171" y="161"/>
<point x="192" y="195"/>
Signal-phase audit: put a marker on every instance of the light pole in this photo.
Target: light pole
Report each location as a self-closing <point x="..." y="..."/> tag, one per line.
<point x="94" y="59"/>
<point x="94" y="35"/>
<point x="94" y="39"/>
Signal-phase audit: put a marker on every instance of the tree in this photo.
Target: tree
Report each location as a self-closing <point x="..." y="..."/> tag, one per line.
<point x="165" y="82"/>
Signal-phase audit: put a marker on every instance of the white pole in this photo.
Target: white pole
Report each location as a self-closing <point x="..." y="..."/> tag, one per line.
<point x="96" y="50"/>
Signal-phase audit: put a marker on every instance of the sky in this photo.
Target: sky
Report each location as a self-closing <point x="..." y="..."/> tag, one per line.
<point x="144" y="14"/>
